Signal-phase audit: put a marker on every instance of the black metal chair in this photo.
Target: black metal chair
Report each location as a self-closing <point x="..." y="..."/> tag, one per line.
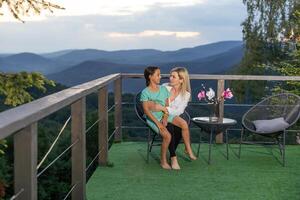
<point x="286" y="106"/>
<point x="151" y="133"/>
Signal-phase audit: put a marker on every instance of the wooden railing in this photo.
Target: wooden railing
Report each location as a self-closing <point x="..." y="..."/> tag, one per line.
<point x="21" y="122"/>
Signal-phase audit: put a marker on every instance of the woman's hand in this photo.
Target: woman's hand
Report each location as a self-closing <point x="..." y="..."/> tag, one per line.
<point x="161" y="127"/>
<point x="165" y="110"/>
<point x="164" y="120"/>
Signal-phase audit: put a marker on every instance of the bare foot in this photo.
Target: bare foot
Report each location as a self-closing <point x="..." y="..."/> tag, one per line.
<point x="191" y="155"/>
<point x="165" y="166"/>
<point x="174" y="163"/>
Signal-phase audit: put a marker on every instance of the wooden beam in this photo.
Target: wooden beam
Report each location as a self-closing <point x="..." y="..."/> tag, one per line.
<point x="25" y="162"/>
<point x="78" y="112"/>
<point x="118" y="109"/>
<point x="221" y="83"/>
<point x="103" y="126"/>
<point x="223" y="77"/>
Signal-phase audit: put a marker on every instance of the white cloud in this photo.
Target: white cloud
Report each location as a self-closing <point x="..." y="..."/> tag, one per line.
<point x="162" y="26"/>
<point x="119" y="7"/>
<point x="154" y="33"/>
<point x="101" y="7"/>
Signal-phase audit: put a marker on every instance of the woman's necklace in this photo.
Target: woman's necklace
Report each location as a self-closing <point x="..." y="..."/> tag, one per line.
<point x="174" y="94"/>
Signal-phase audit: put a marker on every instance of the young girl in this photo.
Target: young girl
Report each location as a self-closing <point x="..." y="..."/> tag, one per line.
<point x="159" y="95"/>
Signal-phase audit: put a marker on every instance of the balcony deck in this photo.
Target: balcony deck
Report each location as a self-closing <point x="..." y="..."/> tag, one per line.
<point x="257" y="175"/>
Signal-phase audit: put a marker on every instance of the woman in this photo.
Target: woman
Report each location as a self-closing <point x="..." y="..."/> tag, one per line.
<point x="180" y="95"/>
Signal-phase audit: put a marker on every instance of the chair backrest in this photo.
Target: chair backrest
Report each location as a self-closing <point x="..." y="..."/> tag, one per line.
<point x="284" y="105"/>
<point x="138" y="107"/>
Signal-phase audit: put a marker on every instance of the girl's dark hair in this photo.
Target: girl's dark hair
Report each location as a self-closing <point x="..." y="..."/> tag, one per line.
<point x="149" y="71"/>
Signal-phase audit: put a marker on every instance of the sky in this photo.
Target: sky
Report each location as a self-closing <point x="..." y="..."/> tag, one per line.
<point x="119" y="24"/>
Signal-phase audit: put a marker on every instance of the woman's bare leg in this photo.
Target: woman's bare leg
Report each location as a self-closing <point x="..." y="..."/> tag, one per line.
<point x="178" y="121"/>
<point x="174" y="163"/>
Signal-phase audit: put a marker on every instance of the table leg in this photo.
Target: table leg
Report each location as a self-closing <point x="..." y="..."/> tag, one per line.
<point x="227" y="144"/>
<point x="210" y="141"/>
<point x="198" y="152"/>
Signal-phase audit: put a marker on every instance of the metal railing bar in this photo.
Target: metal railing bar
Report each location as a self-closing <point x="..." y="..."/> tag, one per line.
<point x="57" y="158"/>
<point x="195" y="128"/>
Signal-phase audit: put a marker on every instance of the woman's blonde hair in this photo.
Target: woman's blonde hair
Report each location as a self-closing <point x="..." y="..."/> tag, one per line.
<point x="184" y="75"/>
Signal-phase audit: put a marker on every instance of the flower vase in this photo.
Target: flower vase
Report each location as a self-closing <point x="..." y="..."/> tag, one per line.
<point x="214" y="112"/>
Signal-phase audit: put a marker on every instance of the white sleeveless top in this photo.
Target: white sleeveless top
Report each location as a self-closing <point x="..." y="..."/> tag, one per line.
<point x="178" y="105"/>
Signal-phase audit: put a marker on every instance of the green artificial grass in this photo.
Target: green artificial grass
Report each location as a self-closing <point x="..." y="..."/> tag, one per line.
<point x="257" y="175"/>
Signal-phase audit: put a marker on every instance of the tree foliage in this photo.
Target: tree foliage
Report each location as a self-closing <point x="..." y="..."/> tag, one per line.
<point x="269" y="33"/>
<point x="20" y="8"/>
<point x="14" y="86"/>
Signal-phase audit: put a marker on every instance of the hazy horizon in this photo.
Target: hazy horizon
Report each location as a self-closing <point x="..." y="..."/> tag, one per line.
<point x="61" y="50"/>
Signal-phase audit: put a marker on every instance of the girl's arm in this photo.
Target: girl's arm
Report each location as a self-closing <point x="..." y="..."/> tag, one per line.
<point x="152" y="106"/>
<point x="146" y="106"/>
<point x="160" y="126"/>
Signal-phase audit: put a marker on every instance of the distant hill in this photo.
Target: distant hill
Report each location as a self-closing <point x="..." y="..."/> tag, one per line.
<point x="56" y="53"/>
<point x="148" y="56"/>
<point x="212" y="64"/>
<point x="196" y="58"/>
<point x="90" y="70"/>
<point x="196" y="53"/>
<point x="28" y="62"/>
<point x="122" y="56"/>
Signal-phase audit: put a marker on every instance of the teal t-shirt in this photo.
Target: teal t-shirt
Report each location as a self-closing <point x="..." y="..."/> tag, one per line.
<point x="158" y="97"/>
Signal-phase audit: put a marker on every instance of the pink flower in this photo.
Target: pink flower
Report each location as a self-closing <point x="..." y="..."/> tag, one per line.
<point x="201" y="95"/>
<point x="227" y="94"/>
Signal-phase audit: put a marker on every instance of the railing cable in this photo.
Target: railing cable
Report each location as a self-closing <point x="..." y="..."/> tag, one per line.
<point x="52" y="145"/>
<point x="58" y="157"/>
<point x="87" y="130"/>
<point x="70" y="191"/>
<point x="90" y="164"/>
<point x="17" y="195"/>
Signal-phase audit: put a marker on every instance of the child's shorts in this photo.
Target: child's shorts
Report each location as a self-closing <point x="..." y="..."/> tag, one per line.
<point x="153" y="125"/>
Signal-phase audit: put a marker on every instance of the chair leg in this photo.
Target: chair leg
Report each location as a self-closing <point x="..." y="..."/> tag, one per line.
<point x="152" y="141"/>
<point x="280" y="146"/>
<point x="283" y="150"/>
<point x="210" y="141"/>
<point x="227" y="155"/>
<point x="148" y="146"/>
<point x="241" y="140"/>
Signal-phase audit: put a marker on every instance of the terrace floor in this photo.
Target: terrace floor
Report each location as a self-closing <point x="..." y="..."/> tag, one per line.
<point x="257" y="175"/>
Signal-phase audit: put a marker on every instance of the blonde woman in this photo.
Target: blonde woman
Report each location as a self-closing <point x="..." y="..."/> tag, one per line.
<point x="180" y="95"/>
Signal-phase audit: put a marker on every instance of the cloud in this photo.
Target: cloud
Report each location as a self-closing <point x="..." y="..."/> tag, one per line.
<point x="107" y="8"/>
<point x="155" y="33"/>
<point x="160" y="27"/>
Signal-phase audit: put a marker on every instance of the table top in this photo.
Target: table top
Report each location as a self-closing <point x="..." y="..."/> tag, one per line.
<point x="206" y="120"/>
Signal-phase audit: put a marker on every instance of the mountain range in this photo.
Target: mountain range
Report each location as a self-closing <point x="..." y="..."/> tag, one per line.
<point x="72" y="67"/>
